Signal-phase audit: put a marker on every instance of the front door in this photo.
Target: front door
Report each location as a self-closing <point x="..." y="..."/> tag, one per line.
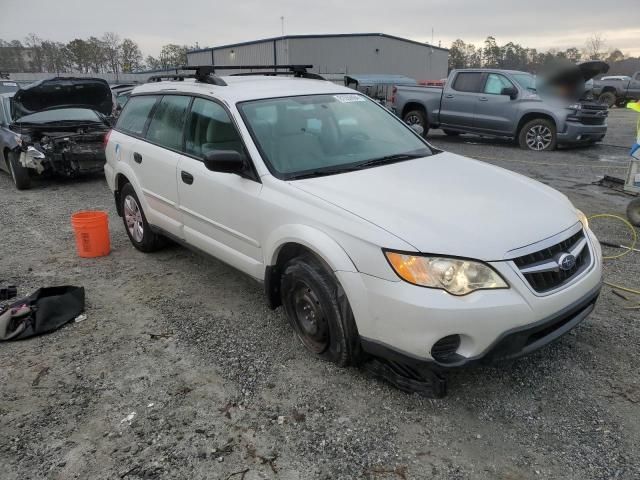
<point x="220" y="211"/>
<point x="495" y="113"/>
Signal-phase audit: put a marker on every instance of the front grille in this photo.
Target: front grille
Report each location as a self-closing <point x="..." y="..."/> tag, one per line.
<point x="594" y="106"/>
<point x="550" y="279"/>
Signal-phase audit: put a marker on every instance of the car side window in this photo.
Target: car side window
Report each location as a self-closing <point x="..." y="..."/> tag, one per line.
<point x="166" y="125"/>
<point x="495" y="84"/>
<point x="135" y="114"/>
<point x="210" y="128"/>
<point x="468" y="82"/>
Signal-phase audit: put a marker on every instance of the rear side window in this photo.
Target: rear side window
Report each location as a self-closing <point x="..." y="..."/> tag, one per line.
<point x="135" y="114"/>
<point x="468" y="82"/>
<point x="165" y="128"/>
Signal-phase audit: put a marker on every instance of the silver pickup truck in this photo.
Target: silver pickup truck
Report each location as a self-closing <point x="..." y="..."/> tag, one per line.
<point x="506" y="103"/>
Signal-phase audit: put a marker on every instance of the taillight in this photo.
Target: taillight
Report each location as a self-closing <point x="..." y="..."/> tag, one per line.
<point x="393" y="94"/>
<point x="106" y="139"/>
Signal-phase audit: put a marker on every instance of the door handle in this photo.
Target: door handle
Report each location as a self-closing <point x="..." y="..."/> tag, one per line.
<point x="449" y="96"/>
<point x="137" y="157"/>
<point x="484" y="99"/>
<point x="186" y="177"/>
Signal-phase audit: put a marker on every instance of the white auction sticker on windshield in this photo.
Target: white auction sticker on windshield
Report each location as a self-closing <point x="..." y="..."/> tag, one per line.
<point x="348" y="98"/>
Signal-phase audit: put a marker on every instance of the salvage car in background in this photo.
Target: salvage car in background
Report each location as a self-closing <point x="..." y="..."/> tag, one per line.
<point x="55" y="126"/>
<point x="508" y="103"/>
<point x="7" y="86"/>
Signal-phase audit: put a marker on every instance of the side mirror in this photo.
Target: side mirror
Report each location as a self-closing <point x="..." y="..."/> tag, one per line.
<point x="417" y="128"/>
<point x="511" y="92"/>
<point x="225" y="161"/>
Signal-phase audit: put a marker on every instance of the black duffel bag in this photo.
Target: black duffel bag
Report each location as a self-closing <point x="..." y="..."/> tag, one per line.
<point x="43" y="311"/>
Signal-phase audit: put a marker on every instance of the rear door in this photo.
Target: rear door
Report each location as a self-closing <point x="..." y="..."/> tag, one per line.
<point x="220" y="211"/>
<point x="634" y="87"/>
<point x="495" y="113"/>
<point x="460" y="99"/>
<point x="153" y="155"/>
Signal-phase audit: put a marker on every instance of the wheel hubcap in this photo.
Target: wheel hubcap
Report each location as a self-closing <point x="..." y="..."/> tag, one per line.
<point x="539" y="137"/>
<point x="133" y="218"/>
<point x="313" y="326"/>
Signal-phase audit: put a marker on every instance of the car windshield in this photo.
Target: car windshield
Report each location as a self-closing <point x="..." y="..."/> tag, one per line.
<point x="317" y="135"/>
<point x="62" y="115"/>
<point x="525" y="80"/>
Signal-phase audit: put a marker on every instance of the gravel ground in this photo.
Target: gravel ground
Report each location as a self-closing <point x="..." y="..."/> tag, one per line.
<point x="181" y="371"/>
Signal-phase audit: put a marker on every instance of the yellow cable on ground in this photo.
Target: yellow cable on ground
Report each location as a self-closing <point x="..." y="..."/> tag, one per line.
<point x="628" y="250"/>
<point x="628" y="224"/>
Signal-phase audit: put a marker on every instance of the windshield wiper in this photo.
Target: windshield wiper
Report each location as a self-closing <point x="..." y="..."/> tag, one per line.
<point x="321" y="172"/>
<point x="388" y="159"/>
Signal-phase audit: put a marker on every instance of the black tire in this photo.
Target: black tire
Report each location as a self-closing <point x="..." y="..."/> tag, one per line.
<point x="417" y="117"/>
<point x="19" y="174"/>
<point x="633" y="212"/>
<point x="319" y="312"/>
<point x="137" y="227"/>
<point x="607" y="98"/>
<point x="539" y="135"/>
<point x="451" y="133"/>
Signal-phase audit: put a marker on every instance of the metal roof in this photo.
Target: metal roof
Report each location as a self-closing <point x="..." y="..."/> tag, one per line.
<point x="373" y="79"/>
<point x="330" y="35"/>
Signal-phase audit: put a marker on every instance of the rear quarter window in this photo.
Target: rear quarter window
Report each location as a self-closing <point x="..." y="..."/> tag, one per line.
<point x="135" y="114"/>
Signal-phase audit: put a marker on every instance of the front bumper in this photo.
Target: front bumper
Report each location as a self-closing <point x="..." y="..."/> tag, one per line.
<point x="575" y="132"/>
<point x="394" y="316"/>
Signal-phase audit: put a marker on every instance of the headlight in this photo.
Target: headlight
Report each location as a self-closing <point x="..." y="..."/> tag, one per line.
<point x="456" y="276"/>
<point x="583" y="219"/>
<point x="575" y="106"/>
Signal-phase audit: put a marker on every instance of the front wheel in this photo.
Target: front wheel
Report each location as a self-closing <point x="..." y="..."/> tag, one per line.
<point x="135" y="222"/>
<point x="538" y="135"/>
<point x="319" y="312"/>
<point x="417" y="117"/>
<point x="19" y="173"/>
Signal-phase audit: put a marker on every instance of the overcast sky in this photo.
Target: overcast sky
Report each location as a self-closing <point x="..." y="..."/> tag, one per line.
<point x="541" y="24"/>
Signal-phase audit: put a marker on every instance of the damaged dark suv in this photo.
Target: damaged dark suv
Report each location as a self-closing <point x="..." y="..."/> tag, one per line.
<point x="55" y="127"/>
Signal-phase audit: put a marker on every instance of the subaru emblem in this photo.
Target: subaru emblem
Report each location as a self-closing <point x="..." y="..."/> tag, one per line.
<point x="566" y="261"/>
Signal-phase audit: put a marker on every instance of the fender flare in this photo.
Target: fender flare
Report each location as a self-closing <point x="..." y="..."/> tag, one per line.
<point x="315" y="240"/>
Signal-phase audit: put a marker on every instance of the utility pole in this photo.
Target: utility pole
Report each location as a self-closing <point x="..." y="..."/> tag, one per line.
<point x="282" y="25"/>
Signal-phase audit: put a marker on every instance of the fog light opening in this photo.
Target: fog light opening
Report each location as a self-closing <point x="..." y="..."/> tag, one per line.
<point x="444" y="350"/>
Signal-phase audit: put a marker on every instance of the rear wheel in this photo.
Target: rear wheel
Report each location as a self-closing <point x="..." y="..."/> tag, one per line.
<point x="19" y="173"/>
<point x="538" y="135"/>
<point x="417" y="117"/>
<point x="607" y="98"/>
<point x="319" y="312"/>
<point x="633" y="212"/>
<point x="135" y="222"/>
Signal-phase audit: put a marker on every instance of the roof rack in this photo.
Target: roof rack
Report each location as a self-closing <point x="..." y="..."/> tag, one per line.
<point x="203" y="74"/>
<point x="206" y="73"/>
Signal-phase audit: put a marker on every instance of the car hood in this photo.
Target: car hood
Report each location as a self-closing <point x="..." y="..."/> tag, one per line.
<point x="450" y="205"/>
<point x="93" y="93"/>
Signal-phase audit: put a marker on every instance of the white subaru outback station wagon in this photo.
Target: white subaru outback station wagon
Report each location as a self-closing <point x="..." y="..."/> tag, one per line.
<point x="377" y="244"/>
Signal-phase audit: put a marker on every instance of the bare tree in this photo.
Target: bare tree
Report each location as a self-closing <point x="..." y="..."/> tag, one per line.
<point x="112" y="51"/>
<point x="595" y="48"/>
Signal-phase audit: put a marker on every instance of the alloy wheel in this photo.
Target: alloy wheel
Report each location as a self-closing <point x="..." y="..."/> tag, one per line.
<point x="133" y="218"/>
<point x="539" y="137"/>
<point x="413" y="120"/>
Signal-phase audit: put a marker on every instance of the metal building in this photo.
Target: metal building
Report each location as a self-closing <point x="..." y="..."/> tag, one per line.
<point x="334" y="56"/>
